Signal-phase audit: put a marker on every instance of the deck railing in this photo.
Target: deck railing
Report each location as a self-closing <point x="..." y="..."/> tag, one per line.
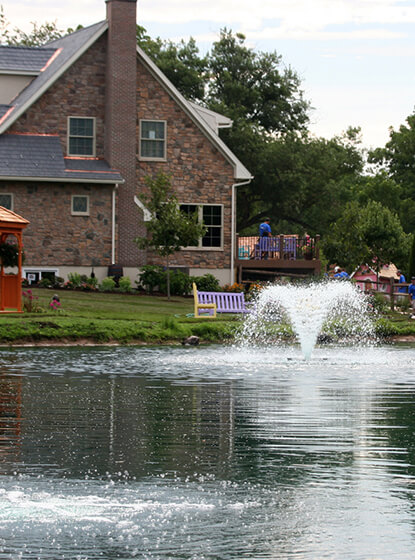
<point x="286" y="247"/>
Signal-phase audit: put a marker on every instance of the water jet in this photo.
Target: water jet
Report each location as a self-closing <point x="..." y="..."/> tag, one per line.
<point x="324" y="311"/>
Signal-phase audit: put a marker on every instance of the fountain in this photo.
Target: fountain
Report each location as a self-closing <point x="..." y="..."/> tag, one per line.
<point x="334" y="310"/>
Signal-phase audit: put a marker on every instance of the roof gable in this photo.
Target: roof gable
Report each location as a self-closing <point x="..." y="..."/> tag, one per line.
<point x="65" y="52"/>
<point x="240" y="171"/>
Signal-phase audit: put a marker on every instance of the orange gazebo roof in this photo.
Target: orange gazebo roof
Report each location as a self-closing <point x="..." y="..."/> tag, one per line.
<point x="9" y="218"/>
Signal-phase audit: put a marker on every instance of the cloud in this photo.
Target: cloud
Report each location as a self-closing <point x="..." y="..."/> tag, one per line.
<point x="273" y="19"/>
<point x="294" y="16"/>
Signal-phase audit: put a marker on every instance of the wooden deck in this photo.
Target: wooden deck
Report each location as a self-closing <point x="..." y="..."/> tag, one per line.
<point x="283" y="255"/>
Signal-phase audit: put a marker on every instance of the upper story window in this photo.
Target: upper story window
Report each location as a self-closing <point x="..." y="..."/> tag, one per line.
<point x="81" y="136"/>
<point x="211" y="215"/>
<point x="153" y="140"/>
<point x="6" y="200"/>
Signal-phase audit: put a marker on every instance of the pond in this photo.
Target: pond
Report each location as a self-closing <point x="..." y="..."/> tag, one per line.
<point x="207" y="453"/>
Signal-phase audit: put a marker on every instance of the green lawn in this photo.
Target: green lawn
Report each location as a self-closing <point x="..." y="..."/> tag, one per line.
<point x="124" y="318"/>
<point x="105" y="317"/>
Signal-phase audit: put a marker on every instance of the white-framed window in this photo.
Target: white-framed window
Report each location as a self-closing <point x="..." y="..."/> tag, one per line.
<point x="34" y="275"/>
<point x="81" y="136"/>
<point x="6" y="200"/>
<point x="211" y="215"/>
<point x="80" y="205"/>
<point x="153" y="140"/>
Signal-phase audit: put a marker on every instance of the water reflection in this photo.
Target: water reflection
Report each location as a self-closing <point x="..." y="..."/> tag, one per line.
<point x="10" y="418"/>
<point x="207" y="453"/>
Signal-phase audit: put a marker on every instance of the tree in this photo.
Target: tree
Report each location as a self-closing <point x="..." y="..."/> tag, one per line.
<point x="181" y="63"/>
<point x="302" y="182"/>
<point x="411" y="267"/>
<point x="398" y="158"/>
<point x="253" y="87"/>
<point x="380" y="187"/>
<point x="372" y="234"/>
<point x="169" y="229"/>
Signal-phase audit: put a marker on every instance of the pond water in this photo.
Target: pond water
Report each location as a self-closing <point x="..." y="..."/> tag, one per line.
<point x="207" y="453"/>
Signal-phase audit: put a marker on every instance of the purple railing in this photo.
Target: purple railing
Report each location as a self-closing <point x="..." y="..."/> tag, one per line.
<point x="290" y="247"/>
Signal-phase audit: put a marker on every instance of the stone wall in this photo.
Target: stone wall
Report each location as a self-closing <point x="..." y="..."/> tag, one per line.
<point x="54" y="237"/>
<point x="79" y="92"/>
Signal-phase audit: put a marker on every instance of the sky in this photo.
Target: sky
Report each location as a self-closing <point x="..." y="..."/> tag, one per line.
<point x="355" y="58"/>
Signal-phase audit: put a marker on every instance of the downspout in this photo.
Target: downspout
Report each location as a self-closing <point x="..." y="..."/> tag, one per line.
<point x="114" y="191"/>
<point x="233" y="225"/>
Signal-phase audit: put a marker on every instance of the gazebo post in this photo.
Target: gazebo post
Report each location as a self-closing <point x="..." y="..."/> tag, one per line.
<point x="11" y="284"/>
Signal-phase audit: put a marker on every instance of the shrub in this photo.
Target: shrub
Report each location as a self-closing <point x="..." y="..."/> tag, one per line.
<point x="379" y="302"/>
<point x="45" y="283"/>
<point x="206" y="283"/>
<point x="58" y="282"/>
<point x="108" y="284"/>
<point x="89" y="284"/>
<point x="124" y="284"/>
<point x="30" y="303"/>
<point x="150" y="277"/>
<point x="75" y="279"/>
<point x="180" y="283"/>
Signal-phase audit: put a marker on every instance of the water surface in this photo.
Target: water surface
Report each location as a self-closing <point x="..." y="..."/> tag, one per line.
<point x="207" y="453"/>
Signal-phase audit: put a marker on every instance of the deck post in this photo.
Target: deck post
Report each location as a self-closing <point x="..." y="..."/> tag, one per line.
<point x="317" y="248"/>
<point x="392" y="285"/>
<point x="282" y="252"/>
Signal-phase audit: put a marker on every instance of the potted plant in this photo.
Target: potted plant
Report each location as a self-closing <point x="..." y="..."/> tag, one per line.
<point x="308" y="252"/>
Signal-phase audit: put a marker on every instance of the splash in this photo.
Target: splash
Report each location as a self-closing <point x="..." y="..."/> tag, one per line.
<point x="331" y="311"/>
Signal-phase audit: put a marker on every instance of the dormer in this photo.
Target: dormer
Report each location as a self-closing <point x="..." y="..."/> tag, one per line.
<point x="18" y="67"/>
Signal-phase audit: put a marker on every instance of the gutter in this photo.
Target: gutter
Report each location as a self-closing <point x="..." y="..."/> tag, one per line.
<point x="233" y="225"/>
<point x="114" y="191"/>
<point x="59" y="180"/>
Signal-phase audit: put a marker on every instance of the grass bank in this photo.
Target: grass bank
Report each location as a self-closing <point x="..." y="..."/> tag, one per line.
<point x="103" y="318"/>
<point x="98" y="317"/>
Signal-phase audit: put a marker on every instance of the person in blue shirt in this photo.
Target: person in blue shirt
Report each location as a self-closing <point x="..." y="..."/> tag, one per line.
<point x="265" y="228"/>
<point x="401" y="281"/>
<point x="264" y="231"/>
<point x="411" y="291"/>
<point x="340" y="273"/>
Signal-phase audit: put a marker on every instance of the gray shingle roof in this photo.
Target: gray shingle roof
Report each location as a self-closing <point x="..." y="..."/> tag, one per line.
<point x="66" y="51"/>
<point x="24" y="59"/>
<point x="24" y="156"/>
<point x="3" y="109"/>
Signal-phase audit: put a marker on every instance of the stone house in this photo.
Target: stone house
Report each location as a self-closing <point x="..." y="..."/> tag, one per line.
<point x="83" y="121"/>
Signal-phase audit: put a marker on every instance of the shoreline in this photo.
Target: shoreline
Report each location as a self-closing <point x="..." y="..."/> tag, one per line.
<point x="90" y="343"/>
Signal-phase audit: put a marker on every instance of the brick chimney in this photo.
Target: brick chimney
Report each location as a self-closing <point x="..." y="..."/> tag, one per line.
<point x="120" y="120"/>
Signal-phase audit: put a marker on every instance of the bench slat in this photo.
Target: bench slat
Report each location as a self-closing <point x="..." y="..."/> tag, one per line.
<point x="226" y="302"/>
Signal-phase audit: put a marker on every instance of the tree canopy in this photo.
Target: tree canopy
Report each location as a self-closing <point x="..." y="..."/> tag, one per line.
<point x="398" y="158"/>
<point x="372" y="234"/>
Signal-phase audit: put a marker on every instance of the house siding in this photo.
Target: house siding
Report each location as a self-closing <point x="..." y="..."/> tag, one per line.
<point x="199" y="173"/>
<point x="79" y="92"/>
<point x="54" y="237"/>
